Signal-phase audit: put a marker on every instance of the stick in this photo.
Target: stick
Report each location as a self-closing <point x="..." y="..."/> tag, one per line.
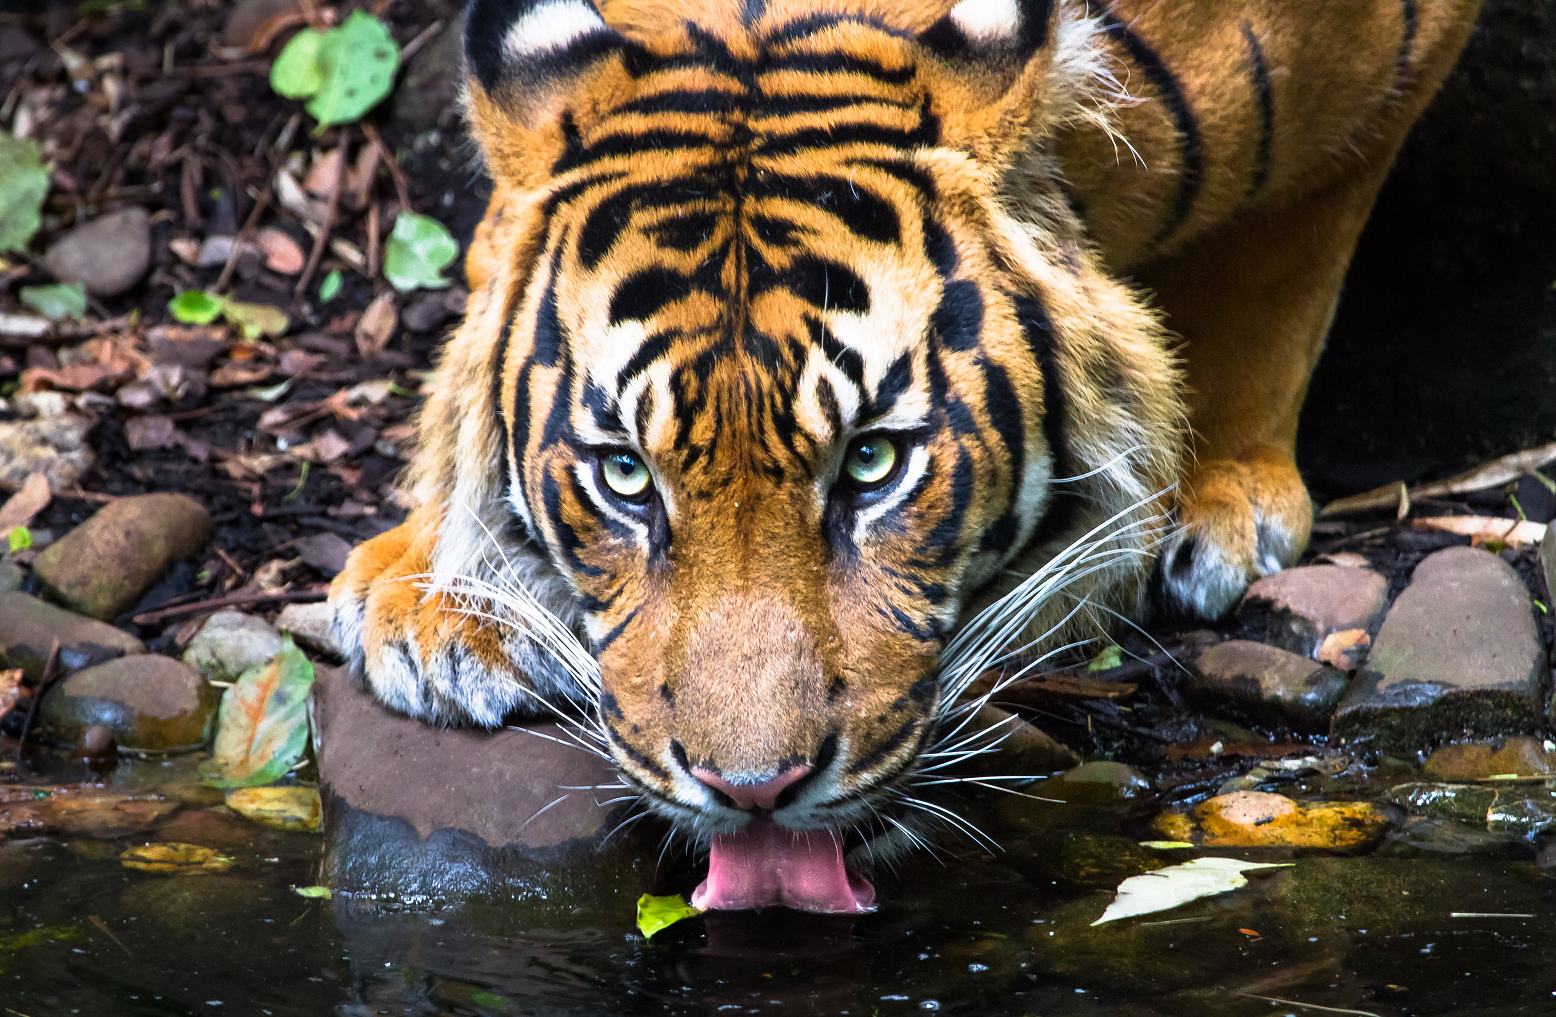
<point x="246" y="232"/>
<point x="231" y="600"/>
<point x="401" y="187"/>
<point x="44" y="684"/>
<point x="1498" y="471"/>
<point x="421" y="40"/>
<point x="330" y="211"/>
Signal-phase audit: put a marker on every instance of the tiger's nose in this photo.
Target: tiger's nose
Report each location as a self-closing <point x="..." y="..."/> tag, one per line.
<point x="758" y="795"/>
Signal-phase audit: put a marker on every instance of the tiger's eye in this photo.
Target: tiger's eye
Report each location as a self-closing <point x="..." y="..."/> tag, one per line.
<point x="870" y="461"/>
<point x="625" y="474"/>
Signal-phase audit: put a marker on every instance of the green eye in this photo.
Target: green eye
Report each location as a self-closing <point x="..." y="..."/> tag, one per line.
<point x="870" y="461"/>
<point x="625" y="474"/>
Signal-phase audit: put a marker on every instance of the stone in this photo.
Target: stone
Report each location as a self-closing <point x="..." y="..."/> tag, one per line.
<point x="1103" y="778"/>
<point x="456" y="815"/>
<point x="1266" y="683"/>
<point x="229" y="643"/>
<point x="1295" y="609"/>
<point x="28" y="627"/>
<point x="1022" y="747"/>
<point x="1525" y="757"/>
<point x="1458" y="656"/>
<point x="53" y="445"/>
<point x="312" y="627"/>
<point x="110" y="254"/>
<point x="1523" y="814"/>
<point x="10" y="576"/>
<point x="1466" y="803"/>
<point x="210" y="828"/>
<point x="102" y="567"/>
<point x="1248" y="819"/>
<point x="150" y="703"/>
<point x="1421" y="837"/>
<point x="324" y="551"/>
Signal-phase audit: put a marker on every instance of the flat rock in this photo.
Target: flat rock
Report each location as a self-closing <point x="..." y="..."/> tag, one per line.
<point x="1103" y="778"/>
<point x="312" y="627"/>
<point x="110" y="254"/>
<point x="10" y="576"/>
<point x="1458" y="656"/>
<point x="1261" y="819"/>
<point x="324" y="551"/>
<point x="229" y="643"/>
<point x="1022" y="747"/>
<point x="102" y="567"/>
<point x="151" y="703"/>
<point x="1525" y="757"/>
<point x="1268" y="684"/>
<point x="28" y="627"/>
<point x="454" y="815"/>
<point x="53" y="445"/>
<point x="1296" y="608"/>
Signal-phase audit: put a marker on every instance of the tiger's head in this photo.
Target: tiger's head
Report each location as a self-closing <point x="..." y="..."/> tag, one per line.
<point x="785" y="392"/>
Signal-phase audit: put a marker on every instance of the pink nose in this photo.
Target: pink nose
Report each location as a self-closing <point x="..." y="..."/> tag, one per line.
<point x="760" y="795"/>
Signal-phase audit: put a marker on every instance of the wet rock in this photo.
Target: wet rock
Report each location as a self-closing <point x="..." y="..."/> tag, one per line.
<point x="1467" y="803"/>
<point x="28" y="627"/>
<point x="102" y="567"/>
<point x="1103" y="778"/>
<point x="1525" y="757"/>
<point x="324" y="551"/>
<point x="210" y="828"/>
<point x="312" y="627"/>
<point x="1272" y="773"/>
<point x="1249" y="819"/>
<point x="96" y="745"/>
<point x="1296" y="608"/>
<point x="429" y="86"/>
<point x="10" y="576"/>
<point x="1268" y="684"/>
<point x="1457" y="656"/>
<point x="53" y="445"/>
<point x="229" y="643"/>
<point x="457" y="814"/>
<point x="110" y="254"/>
<point x="1093" y="861"/>
<point x="150" y="704"/>
<point x="1522" y="813"/>
<point x="1421" y="836"/>
<point x="1022" y="747"/>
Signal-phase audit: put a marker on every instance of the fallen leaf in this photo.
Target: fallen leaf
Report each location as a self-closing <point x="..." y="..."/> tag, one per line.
<point x="1165" y="845"/>
<point x="295" y="199"/>
<point x="64" y="300"/>
<point x="232" y="375"/>
<point x="150" y="432"/>
<point x="187" y="249"/>
<point x="329" y="289"/>
<point x="299" y="362"/>
<point x="1482" y="529"/>
<point x="172" y="856"/>
<point x="1345" y="650"/>
<point x="195" y="307"/>
<point x="285" y="808"/>
<point x="418" y="250"/>
<point x="282" y="253"/>
<point x="262" y="728"/>
<point x="376" y="326"/>
<point x="1108" y="659"/>
<point x="30" y="499"/>
<point x="255" y="320"/>
<point x="10" y="688"/>
<point x="316" y="892"/>
<point x="658" y="913"/>
<point x="24" y="183"/>
<point x="1178" y="884"/>
<point x="330" y="446"/>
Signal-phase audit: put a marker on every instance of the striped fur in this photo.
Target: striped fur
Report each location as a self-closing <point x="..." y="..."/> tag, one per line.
<point x="731" y="239"/>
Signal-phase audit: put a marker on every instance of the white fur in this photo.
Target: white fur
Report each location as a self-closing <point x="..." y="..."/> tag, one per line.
<point x="550" y="26"/>
<point x="987" y="21"/>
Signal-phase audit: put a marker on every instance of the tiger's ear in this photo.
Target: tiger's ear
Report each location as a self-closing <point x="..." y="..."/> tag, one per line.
<point x="527" y="61"/>
<point x="992" y="57"/>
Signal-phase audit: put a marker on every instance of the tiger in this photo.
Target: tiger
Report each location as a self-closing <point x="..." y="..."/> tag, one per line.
<point x="822" y="354"/>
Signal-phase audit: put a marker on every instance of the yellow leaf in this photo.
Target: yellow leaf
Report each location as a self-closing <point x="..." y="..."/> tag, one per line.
<point x="173" y="856"/>
<point x="285" y="808"/>
<point x="656" y="913"/>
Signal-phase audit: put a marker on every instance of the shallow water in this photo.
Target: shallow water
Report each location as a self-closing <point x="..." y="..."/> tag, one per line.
<point x="974" y="932"/>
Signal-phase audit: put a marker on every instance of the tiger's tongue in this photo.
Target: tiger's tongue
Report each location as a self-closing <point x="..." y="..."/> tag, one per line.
<point x="764" y="863"/>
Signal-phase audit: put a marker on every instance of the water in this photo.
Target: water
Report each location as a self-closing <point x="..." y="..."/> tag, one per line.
<point x="973" y="932"/>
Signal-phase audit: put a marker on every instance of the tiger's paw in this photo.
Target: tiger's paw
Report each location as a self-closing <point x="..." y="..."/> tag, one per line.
<point x="424" y="653"/>
<point x="1237" y="520"/>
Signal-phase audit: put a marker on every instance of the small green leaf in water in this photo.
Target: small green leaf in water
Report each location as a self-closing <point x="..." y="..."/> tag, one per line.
<point x="296" y="73"/>
<point x="20" y="539"/>
<point x="65" y="300"/>
<point x="321" y="892"/>
<point x="357" y="62"/>
<point x="24" y="183"/>
<point x="418" y="250"/>
<point x="656" y="913"/>
<point x="329" y="289"/>
<point x="195" y="307"/>
<point x="1108" y="658"/>
<point x="262" y="727"/>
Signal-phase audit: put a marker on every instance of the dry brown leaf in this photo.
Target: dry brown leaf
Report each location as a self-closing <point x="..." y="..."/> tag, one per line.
<point x="321" y="175"/>
<point x="282" y="253"/>
<point x="252" y="467"/>
<point x="291" y="416"/>
<point x="28" y="501"/>
<point x="10" y="688"/>
<point x="296" y="201"/>
<point x="359" y="178"/>
<point x="232" y="375"/>
<point x="294" y="362"/>
<point x="376" y="326"/>
<point x="187" y="249"/>
<point x="1499" y="471"/>
<point x="1345" y="650"/>
<point x="330" y="446"/>
<point x="271" y="27"/>
<point x="1481" y="529"/>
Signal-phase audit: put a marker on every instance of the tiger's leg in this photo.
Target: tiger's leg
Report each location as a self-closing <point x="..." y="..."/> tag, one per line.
<point x="1253" y="301"/>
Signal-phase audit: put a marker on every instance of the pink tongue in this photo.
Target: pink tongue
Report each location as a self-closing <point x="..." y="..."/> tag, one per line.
<point x="764" y="863"/>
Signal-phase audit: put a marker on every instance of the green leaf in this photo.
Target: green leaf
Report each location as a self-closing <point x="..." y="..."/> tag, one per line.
<point x="65" y="300"/>
<point x="656" y="913"/>
<point x="262" y="729"/>
<point x="195" y="307"/>
<point x="256" y="320"/>
<point x="417" y="252"/>
<point x="329" y="289"/>
<point x="1179" y="884"/>
<point x="1108" y="658"/>
<point x="358" y="62"/>
<point x="24" y="183"/>
<point x="296" y="73"/>
<point x="320" y="892"/>
<point x="20" y="539"/>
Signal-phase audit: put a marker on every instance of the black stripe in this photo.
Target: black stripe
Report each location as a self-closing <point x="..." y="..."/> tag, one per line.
<point x="1406" y="41"/>
<point x="499" y="359"/>
<point x="1063" y="501"/>
<point x="1266" y="94"/>
<point x="1191" y="145"/>
<point x="840" y="63"/>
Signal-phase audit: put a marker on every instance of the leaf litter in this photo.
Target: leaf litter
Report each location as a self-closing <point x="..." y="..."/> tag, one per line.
<point x="1176" y="885"/>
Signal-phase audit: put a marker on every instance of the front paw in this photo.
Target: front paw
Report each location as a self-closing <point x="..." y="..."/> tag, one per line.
<point x="1237" y="521"/>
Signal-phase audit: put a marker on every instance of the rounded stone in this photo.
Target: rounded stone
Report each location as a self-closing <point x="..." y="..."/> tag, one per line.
<point x="29" y="627"/>
<point x="109" y="255"/>
<point x="148" y="703"/>
<point x="229" y="643"/>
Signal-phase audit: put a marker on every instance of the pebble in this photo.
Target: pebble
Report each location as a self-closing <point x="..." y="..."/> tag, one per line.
<point x="96" y="745"/>
<point x="312" y="626"/>
<point x="229" y="643"/>
<point x="10" y="575"/>
<point x="1023" y="748"/>
<point x="1295" y="609"/>
<point x="1526" y="757"/>
<point x="1421" y="836"/>
<point x="29" y="626"/>
<point x="102" y="567"/>
<point x="110" y="254"/>
<point x="325" y="551"/>
<point x="53" y="445"/>
<point x="150" y="703"/>
<point x="1458" y="656"/>
<point x="1261" y="819"/>
<point x="1105" y="778"/>
<point x="1269" y="684"/>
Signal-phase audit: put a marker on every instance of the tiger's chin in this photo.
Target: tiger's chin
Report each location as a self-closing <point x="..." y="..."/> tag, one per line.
<point x="764" y="864"/>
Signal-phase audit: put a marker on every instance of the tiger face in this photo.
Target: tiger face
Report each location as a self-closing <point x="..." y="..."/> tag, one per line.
<point x="780" y="385"/>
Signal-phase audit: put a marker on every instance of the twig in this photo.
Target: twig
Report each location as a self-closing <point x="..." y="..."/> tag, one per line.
<point x="45" y="682"/>
<point x="421" y="40"/>
<point x="402" y="189"/>
<point x="372" y="241"/>
<point x="102" y="927"/>
<point x="321" y="240"/>
<point x="231" y="600"/>
<point x="246" y="232"/>
<point x="1308" y="1006"/>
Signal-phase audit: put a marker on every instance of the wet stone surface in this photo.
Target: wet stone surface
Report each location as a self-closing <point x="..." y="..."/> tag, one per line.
<point x="148" y="702"/>
<point x="229" y="643"/>
<point x="29" y="627"/>
<point x="1295" y="609"/>
<point x="1268" y="684"/>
